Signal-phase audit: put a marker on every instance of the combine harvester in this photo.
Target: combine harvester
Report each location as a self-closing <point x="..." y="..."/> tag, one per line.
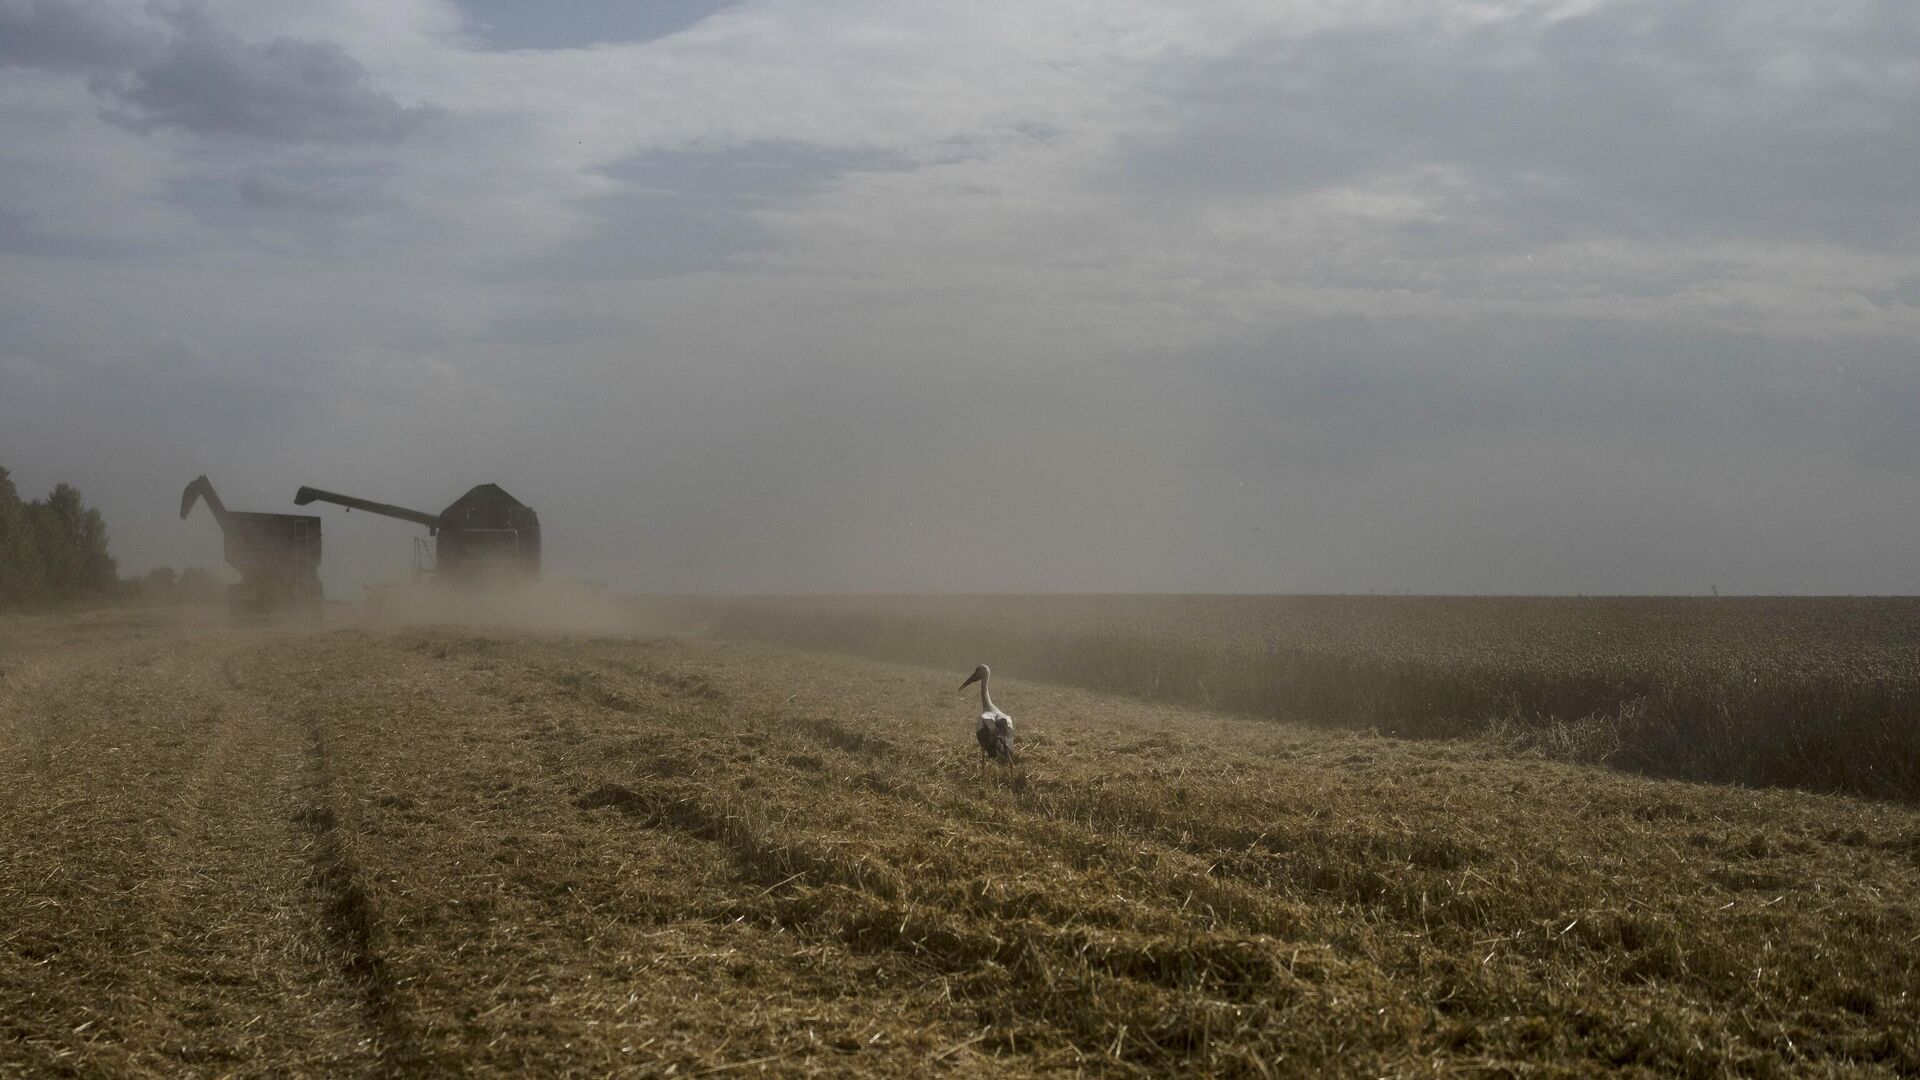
<point x="484" y="566"/>
<point x="278" y="556"/>
<point x="487" y="537"/>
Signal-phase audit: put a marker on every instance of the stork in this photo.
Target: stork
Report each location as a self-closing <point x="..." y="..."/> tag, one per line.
<point x="995" y="730"/>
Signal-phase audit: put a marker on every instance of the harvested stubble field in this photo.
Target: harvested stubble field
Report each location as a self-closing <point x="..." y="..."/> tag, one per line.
<point x="446" y="851"/>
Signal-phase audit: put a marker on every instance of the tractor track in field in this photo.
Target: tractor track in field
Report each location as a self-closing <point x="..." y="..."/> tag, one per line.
<point x="278" y="780"/>
<point x="350" y="919"/>
<point x="211" y="798"/>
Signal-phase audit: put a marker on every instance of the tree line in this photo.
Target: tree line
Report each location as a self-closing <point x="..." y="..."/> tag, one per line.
<point x="53" y="550"/>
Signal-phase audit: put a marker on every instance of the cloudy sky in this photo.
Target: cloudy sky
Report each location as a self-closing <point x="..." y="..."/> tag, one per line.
<point x="1273" y="295"/>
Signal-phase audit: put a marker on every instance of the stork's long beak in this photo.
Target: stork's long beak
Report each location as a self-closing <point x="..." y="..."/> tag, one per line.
<point x="971" y="679"/>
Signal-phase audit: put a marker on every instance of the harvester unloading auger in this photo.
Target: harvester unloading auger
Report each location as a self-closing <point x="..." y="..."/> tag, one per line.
<point x="278" y="555"/>
<point x="486" y="537"/>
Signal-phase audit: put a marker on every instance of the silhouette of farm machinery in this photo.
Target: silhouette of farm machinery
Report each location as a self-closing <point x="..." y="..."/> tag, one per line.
<point x="484" y="538"/>
<point x="278" y="555"/>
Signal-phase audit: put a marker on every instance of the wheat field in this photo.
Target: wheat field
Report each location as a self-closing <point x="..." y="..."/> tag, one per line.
<point x="425" y="851"/>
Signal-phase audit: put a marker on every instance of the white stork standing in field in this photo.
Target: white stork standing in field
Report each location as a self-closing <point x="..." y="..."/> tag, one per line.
<point x="995" y="730"/>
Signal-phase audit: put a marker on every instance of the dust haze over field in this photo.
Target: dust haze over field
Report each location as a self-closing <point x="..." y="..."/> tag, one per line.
<point x="1530" y="296"/>
<point x="843" y="347"/>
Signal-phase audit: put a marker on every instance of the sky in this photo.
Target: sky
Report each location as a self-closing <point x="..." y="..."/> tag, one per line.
<point x="1444" y="296"/>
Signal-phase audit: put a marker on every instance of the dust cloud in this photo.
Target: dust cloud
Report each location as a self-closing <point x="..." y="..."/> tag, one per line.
<point x="543" y="607"/>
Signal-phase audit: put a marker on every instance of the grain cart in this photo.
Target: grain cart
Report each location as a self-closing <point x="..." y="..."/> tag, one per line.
<point x="278" y="555"/>
<point x="485" y="537"/>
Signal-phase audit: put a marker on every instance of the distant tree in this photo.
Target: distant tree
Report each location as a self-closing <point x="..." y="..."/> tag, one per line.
<point x="73" y="544"/>
<point x="159" y="585"/>
<point x="199" y="586"/>
<point x="52" y="549"/>
<point x="22" y="578"/>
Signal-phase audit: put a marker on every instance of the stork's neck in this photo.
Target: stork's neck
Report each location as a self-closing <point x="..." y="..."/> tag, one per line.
<point x="986" y="703"/>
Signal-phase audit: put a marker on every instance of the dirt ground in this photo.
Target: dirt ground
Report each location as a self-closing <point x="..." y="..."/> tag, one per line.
<point x="439" y="851"/>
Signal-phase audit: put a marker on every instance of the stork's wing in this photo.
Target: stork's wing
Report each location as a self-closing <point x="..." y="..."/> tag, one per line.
<point x="995" y="734"/>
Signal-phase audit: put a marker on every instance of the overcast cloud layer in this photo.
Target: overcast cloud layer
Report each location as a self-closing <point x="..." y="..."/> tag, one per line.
<point x="1467" y="295"/>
